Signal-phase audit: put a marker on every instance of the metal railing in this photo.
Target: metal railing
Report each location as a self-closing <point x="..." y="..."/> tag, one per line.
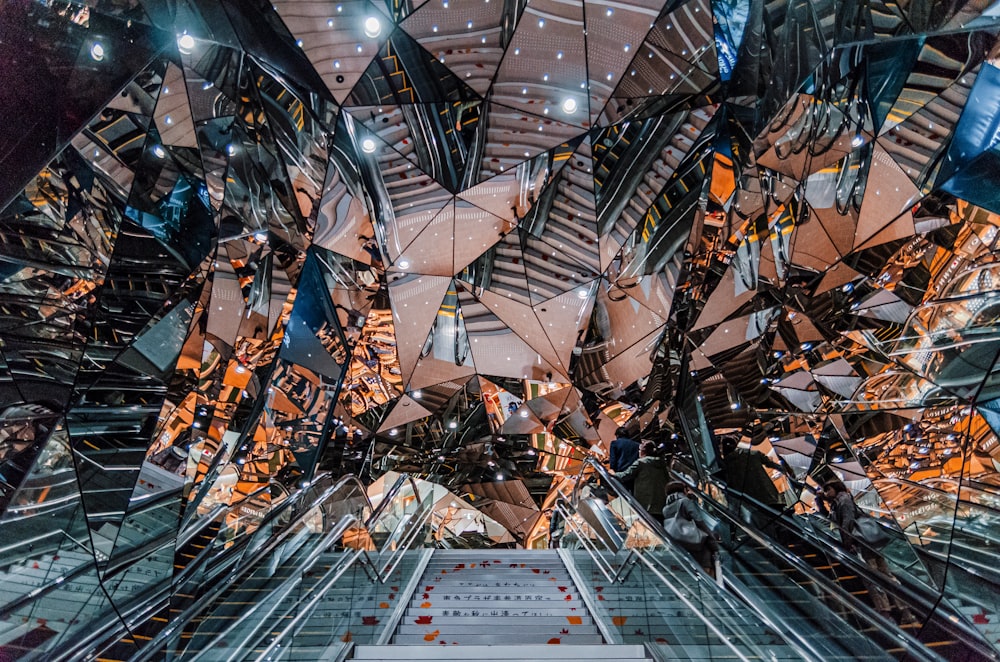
<point x="801" y="643"/>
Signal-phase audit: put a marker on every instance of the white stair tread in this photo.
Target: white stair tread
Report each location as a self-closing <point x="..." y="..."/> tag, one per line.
<point x="504" y="652"/>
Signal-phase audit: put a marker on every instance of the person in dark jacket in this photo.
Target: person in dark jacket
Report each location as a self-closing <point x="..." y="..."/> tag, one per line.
<point x="836" y="503"/>
<point x="679" y="504"/>
<point x="624" y="453"/>
<point x="649" y="474"/>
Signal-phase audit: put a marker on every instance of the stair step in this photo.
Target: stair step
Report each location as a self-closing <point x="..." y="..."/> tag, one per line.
<point x="503" y="652"/>
<point x="443" y="626"/>
<point x="476" y="639"/>
<point x="497" y="621"/>
<point x="487" y="609"/>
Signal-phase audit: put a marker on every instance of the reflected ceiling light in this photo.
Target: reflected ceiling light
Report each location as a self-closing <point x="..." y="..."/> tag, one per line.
<point x="159" y="152"/>
<point x="230" y="149"/>
<point x="260" y="236"/>
<point x="185" y="44"/>
<point x="97" y="52"/>
<point x="368" y="146"/>
<point x="857" y="141"/>
<point x="403" y="264"/>
<point x="452" y="425"/>
<point x="416" y="395"/>
<point x="569" y="106"/>
<point x="373" y="27"/>
<point x="393" y="432"/>
<point x="582" y="294"/>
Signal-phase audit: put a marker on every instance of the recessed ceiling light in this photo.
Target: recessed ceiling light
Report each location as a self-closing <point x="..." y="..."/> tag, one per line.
<point x="97" y="52"/>
<point x="368" y="146"/>
<point x="185" y="43"/>
<point x="569" y="105"/>
<point x="159" y="151"/>
<point x="403" y="264"/>
<point x="373" y="27"/>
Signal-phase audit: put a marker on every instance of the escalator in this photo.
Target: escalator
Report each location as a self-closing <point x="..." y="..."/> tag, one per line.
<point x="800" y="560"/>
<point x="764" y="582"/>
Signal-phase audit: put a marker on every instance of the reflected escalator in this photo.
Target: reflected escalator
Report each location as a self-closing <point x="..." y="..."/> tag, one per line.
<point x="802" y="556"/>
<point x="773" y="602"/>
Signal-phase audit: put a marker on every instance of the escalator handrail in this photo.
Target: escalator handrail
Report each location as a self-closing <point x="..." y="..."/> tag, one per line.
<point x="286" y="586"/>
<point x="289" y="584"/>
<point x="292" y="626"/>
<point x="888" y="628"/>
<point x="914" y="595"/>
<point x="78" y="649"/>
<point x="800" y="644"/>
<point x="684" y="559"/>
<point x="114" y="625"/>
<point x="148" y="602"/>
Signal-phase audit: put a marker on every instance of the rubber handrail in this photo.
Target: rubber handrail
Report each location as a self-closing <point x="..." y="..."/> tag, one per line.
<point x="856" y="566"/>
<point x="912" y="645"/>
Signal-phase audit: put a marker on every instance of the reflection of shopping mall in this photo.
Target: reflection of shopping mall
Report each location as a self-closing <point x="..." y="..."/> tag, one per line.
<point x="318" y="319"/>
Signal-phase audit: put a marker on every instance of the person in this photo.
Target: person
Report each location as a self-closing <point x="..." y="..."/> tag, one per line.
<point x="649" y="477"/>
<point x="836" y="503"/>
<point x="624" y="453"/>
<point x="680" y="504"/>
<point x="556" y="527"/>
<point x="747" y="472"/>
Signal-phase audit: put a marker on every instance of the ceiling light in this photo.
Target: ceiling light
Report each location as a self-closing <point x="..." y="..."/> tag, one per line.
<point x="97" y="52"/>
<point x="185" y="44"/>
<point x="403" y="264"/>
<point x="416" y="395"/>
<point x="260" y="236"/>
<point x="158" y="151"/>
<point x="368" y="146"/>
<point x="452" y="425"/>
<point x="373" y="27"/>
<point x="569" y="106"/>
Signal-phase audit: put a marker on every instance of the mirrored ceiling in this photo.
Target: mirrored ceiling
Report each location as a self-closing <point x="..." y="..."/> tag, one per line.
<point x="246" y="242"/>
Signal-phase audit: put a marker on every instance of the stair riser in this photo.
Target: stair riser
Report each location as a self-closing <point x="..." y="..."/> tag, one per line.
<point x="493" y="639"/>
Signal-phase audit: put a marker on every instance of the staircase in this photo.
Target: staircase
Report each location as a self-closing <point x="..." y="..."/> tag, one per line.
<point x="488" y="605"/>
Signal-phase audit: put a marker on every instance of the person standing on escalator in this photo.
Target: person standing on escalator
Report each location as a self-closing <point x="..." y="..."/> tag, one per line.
<point x="701" y="541"/>
<point x="649" y="475"/>
<point x="836" y="503"/>
<point x="624" y="453"/>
